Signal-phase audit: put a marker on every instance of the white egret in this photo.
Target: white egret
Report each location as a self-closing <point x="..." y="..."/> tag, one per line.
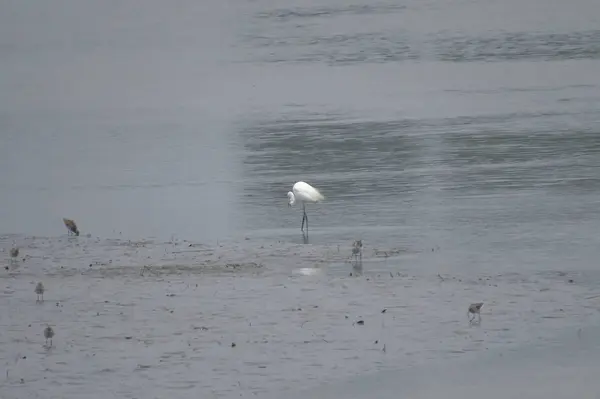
<point x="304" y="193"/>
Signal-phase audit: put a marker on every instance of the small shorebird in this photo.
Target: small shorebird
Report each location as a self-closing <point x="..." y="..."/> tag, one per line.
<point x="48" y="334"/>
<point x="474" y="309"/>
<point x="14" y="253"/>
<point x="357" y="249"/>
<point x="71" y="226"/>
<point x="39" y="290"/>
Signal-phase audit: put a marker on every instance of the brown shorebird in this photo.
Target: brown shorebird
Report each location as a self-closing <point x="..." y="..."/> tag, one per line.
<point x="14" y="253"/>
<point x="71" y="226"/>
<point x="357" y="249"/>
<point x="48" y="334"/>
<point x="474" y="309"/>
<point x="39" y="290"/>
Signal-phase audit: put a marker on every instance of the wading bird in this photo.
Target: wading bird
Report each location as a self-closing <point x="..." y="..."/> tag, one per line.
<point x="304" y="193"/>
<point x="474" y="309"/>
<point x="39" y="290"/>
<point x="357" y="249"/>
<point x="14" y="253"/>
<point x="71" y="226"/>
<point x="48" y="334"/>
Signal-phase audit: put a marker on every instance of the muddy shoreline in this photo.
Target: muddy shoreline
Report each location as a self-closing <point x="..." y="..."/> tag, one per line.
<point x="250" y="318"/>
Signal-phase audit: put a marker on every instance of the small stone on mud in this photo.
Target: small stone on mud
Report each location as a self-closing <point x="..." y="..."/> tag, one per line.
<point x="384" y="310"/>
<point x="128" y="337"/>
<point x="360" y="322"/>
<point x="233" y="344"/>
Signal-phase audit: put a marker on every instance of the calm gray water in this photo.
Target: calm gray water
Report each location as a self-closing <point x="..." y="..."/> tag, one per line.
<point x="459" y="137"/>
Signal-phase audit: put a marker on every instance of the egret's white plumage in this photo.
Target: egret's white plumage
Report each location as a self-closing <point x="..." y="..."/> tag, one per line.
<point x="304" y="193"/>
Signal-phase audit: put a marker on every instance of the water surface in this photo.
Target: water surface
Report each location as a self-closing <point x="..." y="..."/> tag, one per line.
<point x="459" y="138"/>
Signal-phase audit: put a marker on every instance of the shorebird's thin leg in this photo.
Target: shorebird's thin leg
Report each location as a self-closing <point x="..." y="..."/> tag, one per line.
<point x="305" y="216"/>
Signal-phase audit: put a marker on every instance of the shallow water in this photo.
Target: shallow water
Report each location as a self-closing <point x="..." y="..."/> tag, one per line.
<point x="565" y="368"/>
<point x="456" y="138"/>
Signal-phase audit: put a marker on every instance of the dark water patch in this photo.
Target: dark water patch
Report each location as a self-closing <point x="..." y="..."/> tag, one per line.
<point x="308" y="45"/>
<point x="534" y="89"/>
<point x="519" y="46"/>
<point x="489" y="153"/>
<point x="339" y="49"/>
<point x="295" y="14"/>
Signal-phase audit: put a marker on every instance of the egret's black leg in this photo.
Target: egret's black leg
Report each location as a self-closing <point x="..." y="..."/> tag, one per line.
<point x="305" y="216"/>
